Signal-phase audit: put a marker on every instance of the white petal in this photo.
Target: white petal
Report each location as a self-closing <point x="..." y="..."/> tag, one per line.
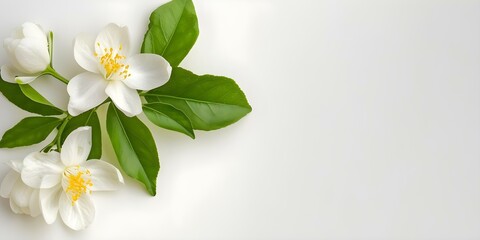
<point x="32" y="55"/>
<point x="10" y="46"/>
<point x="148" y="71"/>
<point x="26" y="210"/>
<point x="25" y="79"/>
<point x="49" y="202"/>
<point x="86" y="90"/>
<point x="34" y="204"/>
<point x="124" y="98"/>
<point x="115" y="37"/>
<point x="15" y="208"/>
<point x="77" y="146"/>
<point x="31" y="30"/>
<point x="104" y="176"/>
<point x="84" y="53"/>
<point x="78" y="215"/>
<point x="8" y="74"/>
<point x="16" y="165"/>
<point x="21" y="194"/>
<point x="8" y="182"/>
<point x="42" y="170"/>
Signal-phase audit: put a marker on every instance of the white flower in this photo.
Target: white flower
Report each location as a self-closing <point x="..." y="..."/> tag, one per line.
<point x="66" y="180"/>
<point x="113" y="72"/>
<point x="28" y="54"/>
<point x="23" y="199"/>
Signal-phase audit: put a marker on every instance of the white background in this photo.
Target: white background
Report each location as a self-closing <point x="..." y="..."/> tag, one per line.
<point x="366" y="122"/>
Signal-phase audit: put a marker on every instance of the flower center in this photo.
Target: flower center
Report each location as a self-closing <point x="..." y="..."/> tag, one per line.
<point x="79" y="182"/>
<point x="112" y="62"/>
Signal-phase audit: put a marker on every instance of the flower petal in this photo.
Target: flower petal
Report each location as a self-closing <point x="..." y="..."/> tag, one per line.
<point x="104" y="176"/>
<point x="8" y="182"/>
<point x="16" y="165"/>
<point x="32" y="55"/>
<point x="115" y="37"/>
<point x="49" y="202"/>
<point x="84" y="54"/>
<point x="34" y="204"/>
<point x="77" y="146"/>
<point x="42" y="170"/>
<point x="20" y="195"/>
<point x="78" y="215"/>
<point x="25" y="79"/>
<point x="125" y="98"/>
<point x="8" y="74"/>
<point x="10" y="45"/>
<point x="15" y="208"/>
<point x="32" y="30"/>
<point x="86" y="90"/>
<point x="148" y="71"/>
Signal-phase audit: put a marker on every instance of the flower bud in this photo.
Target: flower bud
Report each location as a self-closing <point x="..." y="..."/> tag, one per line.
<point x="28" y="54"/>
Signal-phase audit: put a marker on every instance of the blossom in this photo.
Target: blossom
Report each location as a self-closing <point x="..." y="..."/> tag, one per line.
<point x="28" y="54"/>
<point x="23" y="199"/>
<point x="113" y="72"/>
<point x="66" y="180"/>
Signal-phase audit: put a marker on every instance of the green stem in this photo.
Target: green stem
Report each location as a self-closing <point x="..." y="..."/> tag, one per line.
<point x="58" y="139"/>
<point x="50" y="71"/>
<point x="60" y="132"/>
<point x="50" y="145"/>
<point x="50" y="47"/>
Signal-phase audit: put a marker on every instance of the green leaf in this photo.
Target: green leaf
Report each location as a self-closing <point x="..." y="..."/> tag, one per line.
<point x="166" y="116"/>
<point x="172" y="31"/>
<point x="31" y="93"/>
<point x="29" y="131"/>
<point x="14" y="94"/>
<point x="210" y="102"/>
<point x="89" y="118"/>
<point x="134" y="146"/>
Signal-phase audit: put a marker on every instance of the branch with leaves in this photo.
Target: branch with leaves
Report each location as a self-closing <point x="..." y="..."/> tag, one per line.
<point x="150" y="82"/>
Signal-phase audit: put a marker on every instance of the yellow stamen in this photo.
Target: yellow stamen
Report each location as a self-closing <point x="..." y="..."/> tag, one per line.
<point x="112" y="62"/>
<point x="79" y="182"/>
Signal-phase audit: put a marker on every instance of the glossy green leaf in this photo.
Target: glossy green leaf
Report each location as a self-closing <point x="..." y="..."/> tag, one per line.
<point x="166" y="116"/>
<point x="210" y="102"/>
<point x="31" y="93"/>
<point x="89" y="118"/>
<point x="172" y="31"/>
<point x="14" y="94"/>
<point x="134" y="146"/>
<point x="29" y="131"/>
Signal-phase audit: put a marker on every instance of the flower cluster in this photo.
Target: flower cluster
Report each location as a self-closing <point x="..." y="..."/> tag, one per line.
<point x="111" y="70"/>
<point x="51" y="183"/>
<point x="61" y="180"/>
<point x="58" y="179"/>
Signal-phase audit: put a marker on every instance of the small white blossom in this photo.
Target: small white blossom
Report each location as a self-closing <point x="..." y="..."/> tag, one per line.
<point x="113" y="72"/>
<point x="66" y="180"/>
